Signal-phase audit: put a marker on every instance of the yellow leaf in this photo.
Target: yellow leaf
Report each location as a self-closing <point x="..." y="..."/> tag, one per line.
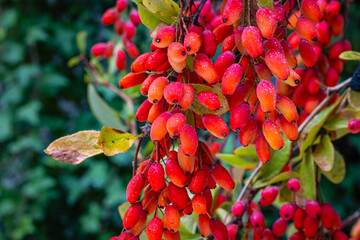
<point x="75" y="148"/>
<point x="113" y="141"/>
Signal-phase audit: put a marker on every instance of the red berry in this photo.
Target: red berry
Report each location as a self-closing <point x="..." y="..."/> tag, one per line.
<point x="239" y="116"/>
<point x="222" y="177"/>
<point x="307" y="29"/>
<point x="313" y="209"/>
<point x="109" y="16"/>
<point x="189" y="140"/>
<point x="272" y="134"/>
<point x="266" y="21"/>
<point x="154" y="229"/>
<point x="287" y="212"/>
<point x="238" y="209"/>
<point x="158" y="128"/>
<point x="257" y="220"/>
<point x="175" y="173"/>
<point x="156" y="177"/>
<point x="164" y="37"/>
<point x="311" y="10"/>
<point x="209" y="100"/>
<point x="262" y="148"/>
<point x="135" y="187"/>
<point x="171" y="219"/>
<point x="156" y="89"/>
<point x="311" y="226"/>
<point x="252" y="42"/>
<point x="174" y="92"/>
<point x="215" y="125"/>
<point x="199" y="204"/>
<point x="192" y="42"/>
<point x="279" y="227"/>
<point x="268" y="195"/>
<point x="277" y="63"/>
<point x="218" y="229"/>
<point x="231" y="78"/>
<point x="266" y="94"/>
<point x="232" y="11"/>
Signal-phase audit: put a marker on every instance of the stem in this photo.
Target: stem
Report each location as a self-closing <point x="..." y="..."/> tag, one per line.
<point x="355" y="216"/>
<point x="136" y="156"/>
<point x="243" y="190"/>
<point x="195" y="17"/>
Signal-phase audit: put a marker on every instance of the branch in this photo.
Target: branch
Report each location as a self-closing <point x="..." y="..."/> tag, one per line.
<point x="355" y="216"/>
<point x="243" y="190"/>
<point x="195" y="17"/>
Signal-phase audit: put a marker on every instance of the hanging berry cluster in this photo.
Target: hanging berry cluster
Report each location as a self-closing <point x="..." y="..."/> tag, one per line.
<point x="259" y="80"/>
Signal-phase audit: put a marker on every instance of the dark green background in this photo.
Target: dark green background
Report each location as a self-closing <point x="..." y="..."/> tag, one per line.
<point x="41" y="99"/>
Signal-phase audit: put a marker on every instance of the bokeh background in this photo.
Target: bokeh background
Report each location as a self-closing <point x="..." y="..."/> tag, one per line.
<point x="41" y="99"/>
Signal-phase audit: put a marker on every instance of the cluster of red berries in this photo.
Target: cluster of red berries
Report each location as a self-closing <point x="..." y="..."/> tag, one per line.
<point x="125" y="29"/>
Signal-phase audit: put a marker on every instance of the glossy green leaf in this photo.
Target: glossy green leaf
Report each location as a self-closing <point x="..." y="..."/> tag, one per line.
<point x="354" y="100"/>
<point x="148" y="18"/>
<point x="75" y="148"/>
<point x="122" y="209"/>
<point x="113" y="141"/>
<point x="106" y="115"/>
<point x="277" y="162"/>
<point x="338" y="171"/>
<point x="307" y="176"/>
<point x="166" y="8"/>
<point x="81" y="41"/>
<point x="266" y="3"/>
<point x="73" y="61"/>
<point x="350" y="55"/>
<point x="201" y="109"/>
<point x="237" y="161"/>
<point x="340" y="119"/>
<point x="324" y="153"/>
<point x="249" y="151"/>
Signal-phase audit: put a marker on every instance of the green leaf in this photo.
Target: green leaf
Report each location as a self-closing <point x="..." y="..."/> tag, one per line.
<point x="166" y="8"/>
<point x="75" y="148"/>
<point x="307" y="176"/>
<point x="106" y="115"/>
<point x="190" y="62"/>
<point x="81" y="41"/>
<point x="113" y="141"/>
<point x="148" y="18"/>
<point x="340" y="119"/>
<point x="237" y="161"/>
<point x="277" y="162"/>
<point x="201" y="109"/>
<point x="283" y="176"/>
<point x="350" y="55"/>
<point x="186" y="233"/>
<point x="249" y="151"/>
<point x="266" y="3"/>
<point x="122" y="209"/>
<point x="73" y="61"/>
<point x="338" y="171"/>
<point x="354" y="100"/>
<point x="324" y="153"/>
<point x="285" y="194"/>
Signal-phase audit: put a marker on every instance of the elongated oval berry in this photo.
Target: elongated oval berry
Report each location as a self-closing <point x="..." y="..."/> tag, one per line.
<point x="268" y="195"/>
<point x="204" y="225"/>
<point x="164" y="37"/>
<point x="238" y="209"/>
<point x="307" y="53"/>
<point x="135" y="187"/>
<point x="332" y="8"/>
<point x="171" y="235"/>
<point x="189" y="140"/>
<point x="287" y="108"/>
<point x="138" y="66"/>
<point x="132" y="215"/>
<point x="225" y="60"/>
<point x="176" y="52"/>
<point x="311" y="226"/>
<point x="178" y="196"/>
<point x="277" y="63"/>
<point x="222" y="177"/>
<point x="266" y="21"/>
<point x="131" y="80"/>
<point x="354" y="126"/>
<point x="237" y="98"/>
<point x="209" y="44"/>
<point x="272" y="134"/>
<point x="188" y="97"/>
<point x="293" y="185"/>
<point x="257" y="220"/>
<point x="215" y="125"/>
<point x="175" y="124"/>
<point x="289" y="129"/>
<point x="299" y="218"/>
<point x="198" y="181"/>
<point x="156" y="59"/>
<point x="158" y="129"/>
<point x="262" y="148"/>
<point x="175" y="173"/>
<point x="199" y="204"/>
<point x="110" y="16"/>
<point x="232" y="11"/>
<point x="147" y="83"/>
<point x="192" y="42"/>
<point x="289" y="53"/>
<point x="312" y="208"/>
<point x="156" y="110"/>
<point x="156" y="177"/>
<point x="279" y="227"/>
<point x="307" y="29"/>
<point x="252" y="42"/>
<point x="171" y="218"/>
<point x="247" y="132"/>
<point x="239" y="116"/>
<point x="328" y="215"/>
<point x="124" y="236"/>
<point x="231" y="79"/>
<point x="287" y="211"/>
<point x="209" y="100"/>
<point x="121" y="5"/>
<point x="156" y="89"/>
<point x="266" y="94"/>
<point x="140" y="225"/>
<point x="311" y="11"/>
<point x="299" y="235"/>
<point x="143" y="111"/>
<point x="173" y="92"/>
<point x="205" y="69"/>
<point x="187" y="163"/>
<point x="154" y="229"/>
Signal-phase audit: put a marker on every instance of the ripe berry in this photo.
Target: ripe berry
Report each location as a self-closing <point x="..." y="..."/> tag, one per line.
<point x="164" y="37"/>
<point x="209" y="44"/>
<point x="198" y="181"/>
<point x="287" y="108"/>
<point x="147" y="83"/>
<point x="132" y="215"/>
<point x="279" y="227"/>
<point x="225" y="60"/>
<point x="232" y="11"/>
<point x="307" y="53"/>
<point x="266" y="21"/>
<point x="143" y="111"/>
<point x="158" y="129"/>
<point x="189" y="140"/>
<point x="205" y="69"/>
<point x="266" y="94"/>
<point x="138" y="65"/>
<point x="252" y="42"/>
<point x="199" y="204"/>
<point x="238" y="209"/>
<point x="156" y="89"/>
<point x="154" y="229"/>
<point x="311" y="10"/>
<point x="293" y="184"/>
<point x="222" y="177"/>
<point x="289" y="129"/>
<point x="134" y="17"/>
<point x="205" y="153"/>
<point x="298" y="236"/>
<point x="215" y="125"/>
<point x="178" y="196"/>
<point x="276" y="62"/>
<point x="121" y="5"/>
<point x="109" y="16"/>
<point x="354" y="126"/>
<point x="307" y="29"/>
<point x="289" y="53"/>
<point x="231" y="79"/>
<point x="175" y="173"/>
<point x="239" y="116"/>
<point x="172" y="236"/>
<point x="272" y="134"/>
<point x="175" y="124"/>
<point x="268" y="195"/>
<point x="123" y="236"/>
<point x="299" y="218"/>
<point x="135" y="187"/>
<point x="262" y="148"/>
<point x="204" y="225"/>
<point x="232" y="231"/>
<point x="130" y="30"/>
<point x="311" y="226"/>
<point x="257" y="220"/>
<point x="156" y="177"/>
<point x="187" y="163"/>
<point x="131" y="80"/>
<point x="313" y="209"/>
<point x="247" y="132"/>
<point x="287" y="212"/>
<point x="192" y="42"/>
<point x="218" y="229"/>
<point x="209" y="100"/>
<point x="328" y="215"/>
<point x="173" y="92"/>
<point x="332" y="9"/>
<point x="171" y="218"/>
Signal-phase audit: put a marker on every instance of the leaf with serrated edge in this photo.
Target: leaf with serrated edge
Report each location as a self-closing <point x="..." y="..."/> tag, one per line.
<point x="340" y="119"/>
<point x="307" y="176"/>
<point x="237" y="161"/>
<point x="113" y="141"/>
<point x="249" y="151"/>
<point x="354" y="100"/>
<point x="350" y="55"/>
<point x="338" y="171"/>
<point x="324" y="153"/>
<point x="75" y="148"/>
<point x="197" y="107"/>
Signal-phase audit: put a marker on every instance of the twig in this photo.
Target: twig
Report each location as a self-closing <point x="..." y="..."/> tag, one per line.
<point x="195" y="17"/>
<point x="136" y="155"/>
<point x="243" y="190"/>
<point x="351" y="219"/>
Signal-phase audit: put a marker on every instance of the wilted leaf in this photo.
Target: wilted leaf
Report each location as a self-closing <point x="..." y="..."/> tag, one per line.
<point x="81" y="41"/>
<point x="237" y="161"/>
<point x="350" y="55"/>
<point x="324" y="153"/>
<point x="148" y="18"/>
<point x="340" y="119"/>
<point x="113" y="141"/>
<point x="266" y="3"/>
<point x="354" y="100"/>
<point x="338" y="171"/>
<point x="201" y="109"/>
<point x="74" y="148"/>
<point x="106" y="115"/>
<point x="249" y="151"/>
<point x="307" y="176"/>
<point x="277" y="162"/>
<point x="122" y="209"/>
<point x="167" y="8"/>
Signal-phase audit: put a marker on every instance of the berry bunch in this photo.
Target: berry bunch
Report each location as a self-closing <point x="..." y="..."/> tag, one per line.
<point x="125" y="29"/>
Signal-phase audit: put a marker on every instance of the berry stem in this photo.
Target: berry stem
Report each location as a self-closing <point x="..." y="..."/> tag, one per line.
<point x="136" y="155"/>
<point x="243" y="190"/>
<point x="195" y="17"/>
<point x="355" y="216"/>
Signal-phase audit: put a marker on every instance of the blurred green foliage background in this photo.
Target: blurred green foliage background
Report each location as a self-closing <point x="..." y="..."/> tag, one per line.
<point x="41" y="99"/>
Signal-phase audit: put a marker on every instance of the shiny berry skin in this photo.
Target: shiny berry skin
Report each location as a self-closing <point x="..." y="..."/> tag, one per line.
<point x="199" y="204"/>
<point x="138" y="65"/>
<point x="272" y="134"/>
<point x="222" y="177"/>
<point x="131" y="80"/>
<point x="147" y="83"/>
<point x="188" y="97"/>
<point x="171" y="219"/>
<point x="205" y="69"/>
<point x="311" y="226"/>
<point x="287" y="211"/>
<point x="209" y="100"/>
<point x="232" y="11"/>
<point x="252" y="42"/>
<point x="328" y="215"/>
<point x="332" y="8"/>
<point x="225" y="60"/>
<point x="311" y="10"/>
<point x="231" y="79"/>
<point x="218" y="229"/>
<point x="156" y="89"/>
<point x="123" y="236"/>
<point x="192" y="42"/>
<point x="156" y="59"/>
<point x="257" y="220"/>
<point x="287" y="108"/>
<point x="279" y="227"/>
<point x="189" y="140"/>
<point x="307" y="29"/>
<point x="132" y="215"/>
<point x="209" y="44"/>
<point x="262" y="148"/>
<point x="198" y="181"/>
<point x="247" y="132"/>
<point x="298" y="236"/>
<point x="175" y="124"/>
<point x="158" y="128"/>
<point x="299" y="218"/>
<point x="156" y="177"/>
<point x="232" y="231"/>
<point x="121" y="5"/>
<point x="266" y="94"/>
<point x="312" y="209"/>
<point x="109" y="16"/>
<point x="354" y="126"/>
<point x="171" y="235"/>
<point x="215" y="125"/>
<point x="268" y="195"/>
<point x="143" y="111"/>
<point x="173" y="92"/>
<point x="204" y="225"/>
<point x="154" y="229"/>
<point x="175" y="173"/>
<point x="277" y="63"/>
<point x="130" y="30"/>
<point x="266" y="21"/>
<point x="238" y="209"/>
<point x="164" y="37"/>
<point x="289" y="53"/>
<point x="289" y="129"/>
<point x="340" y="235"/>
<point x="135" y="187"/>
<point x="293" y="184"/>
<point x="237" y="98"/>
<point x="178" y="196"/>
<point x="307" y="53"/>
<point x="239" y="116"/>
